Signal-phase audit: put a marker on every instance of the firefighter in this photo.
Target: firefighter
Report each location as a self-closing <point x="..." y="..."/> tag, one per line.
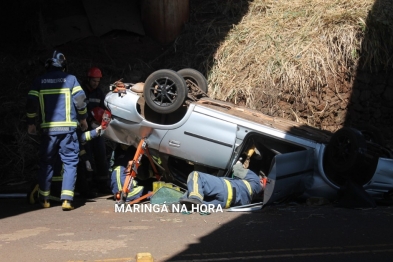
<point x="59" y="100"/>
<point x="84" y="181"/>
<point x="226" y="192"/>
<point x="122" y="155"/>
<point x="96" y="150"/>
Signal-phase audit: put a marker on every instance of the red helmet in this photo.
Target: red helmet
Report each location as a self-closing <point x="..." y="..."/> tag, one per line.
<point x="94" y="72"/>
<point x="97" y="113"/>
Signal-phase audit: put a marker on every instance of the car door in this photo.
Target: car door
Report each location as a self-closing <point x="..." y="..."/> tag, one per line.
<point x="203" y="140"/>
<point x="287" y="174"/>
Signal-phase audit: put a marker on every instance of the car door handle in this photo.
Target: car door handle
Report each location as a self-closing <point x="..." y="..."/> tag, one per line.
<point x="174" y="143"/>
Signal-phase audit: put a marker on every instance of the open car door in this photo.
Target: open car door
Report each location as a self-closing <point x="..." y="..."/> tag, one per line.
<point x="287" y="174"/>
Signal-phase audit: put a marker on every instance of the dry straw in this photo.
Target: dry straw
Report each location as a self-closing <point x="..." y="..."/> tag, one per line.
<point x="288" y="47"/>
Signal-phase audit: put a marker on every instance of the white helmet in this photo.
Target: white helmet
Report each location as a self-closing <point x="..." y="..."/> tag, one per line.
<point x="58" y="60"/>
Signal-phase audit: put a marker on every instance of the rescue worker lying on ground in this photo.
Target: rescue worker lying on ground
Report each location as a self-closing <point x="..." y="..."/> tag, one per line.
<point x="123" y="154"/>
<point x="222" y="191"/>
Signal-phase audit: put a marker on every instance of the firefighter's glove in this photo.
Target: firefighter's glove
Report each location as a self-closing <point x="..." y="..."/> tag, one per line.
<point x="99" y="130"/>
<point x="31" y="130"/>
<point x="83" y="124"/>
<point x="239" y="171"/>
<point x="88" y="166"/>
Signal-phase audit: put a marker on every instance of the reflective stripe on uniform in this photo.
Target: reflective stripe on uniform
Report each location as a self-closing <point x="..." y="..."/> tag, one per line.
<point x="230" y="194"/>
<point x="117" y="169"/>
<point x="96" y="100"/>
<point x="248" y="186"/>
<point x="57" y="178"/>
<point x="88" y="137"/>
<point x="135" y="191"/>
<point x="82" y="152"/>
<point x="32" y="115"/>
<point x="59" y="124"/>
<point x="43" y="193"/>
<point x="33" y="92"/>
<point x="59" y="91"/>
<point x="195" y="191"/>
<point x="76" y="89"/>
<point x="82" y="112"/>
<point x="67" y="192"/>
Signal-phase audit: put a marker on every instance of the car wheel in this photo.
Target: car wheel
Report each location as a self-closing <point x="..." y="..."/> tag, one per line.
<point x="165" y="91"/>
<point x="344" y="148"/>
<point x="194" y="77"/>
<point x="343" y="155"/>
<point x="372" y="134"/>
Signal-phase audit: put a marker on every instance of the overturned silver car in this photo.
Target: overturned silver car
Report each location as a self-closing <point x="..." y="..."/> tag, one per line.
<point x="185" y="131"/>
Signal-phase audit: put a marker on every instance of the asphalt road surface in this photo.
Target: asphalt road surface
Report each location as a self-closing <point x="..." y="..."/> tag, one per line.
<point x="288" y="232"/>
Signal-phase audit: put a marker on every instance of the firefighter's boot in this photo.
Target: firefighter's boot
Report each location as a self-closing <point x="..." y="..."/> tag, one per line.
<point x="45" y="203"/>
<point x="67" y="205"/>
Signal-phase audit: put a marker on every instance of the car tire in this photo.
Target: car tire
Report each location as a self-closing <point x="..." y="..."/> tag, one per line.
<point x="371" y="134"/>
<point x="165" y="91"/>
<point x="195" y="77"/>
<point x="343" y="155"/>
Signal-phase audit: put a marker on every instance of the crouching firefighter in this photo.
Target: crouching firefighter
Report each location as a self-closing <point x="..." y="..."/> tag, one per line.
<point x="59" y="100"/>
<point x="123" y="154"/>
<point x="222" y="191"/>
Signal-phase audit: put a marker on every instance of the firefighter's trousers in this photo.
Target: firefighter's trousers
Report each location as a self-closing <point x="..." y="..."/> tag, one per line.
<point x="207" y="188"/>
<point x="67" y="146"/>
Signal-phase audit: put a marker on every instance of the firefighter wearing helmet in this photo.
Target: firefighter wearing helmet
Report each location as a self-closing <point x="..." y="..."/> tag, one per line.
<point x="96" y="149"/>
<point x="57" y="99"/>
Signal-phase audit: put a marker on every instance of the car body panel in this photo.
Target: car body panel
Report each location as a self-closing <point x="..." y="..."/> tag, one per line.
<point x="245" y="126"/>
<point x="288" y="173"/>
<point x="383" y="178"/>
<point x="211" y="144"/>
<point x="124" y="106"/>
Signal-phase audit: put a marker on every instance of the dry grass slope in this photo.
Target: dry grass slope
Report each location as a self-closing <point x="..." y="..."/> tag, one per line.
<point x="285" y="54"/>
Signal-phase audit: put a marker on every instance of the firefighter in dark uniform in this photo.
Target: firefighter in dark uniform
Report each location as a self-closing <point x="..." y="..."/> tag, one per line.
<point x="85" y="169"/>
<point x="96" y="150"/>
<point x="58" y="170"/>
<point x="122" y="155"/>
<point x="59" y="100"/>
<point x="222" y="191"/>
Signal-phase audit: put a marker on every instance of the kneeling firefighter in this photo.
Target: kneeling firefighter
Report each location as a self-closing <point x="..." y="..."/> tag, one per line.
<point x="122" y="155"/>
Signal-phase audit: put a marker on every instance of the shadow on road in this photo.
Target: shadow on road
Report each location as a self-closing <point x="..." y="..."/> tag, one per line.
<point x="16" y="206"/>
<point x="297" y="233"/>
